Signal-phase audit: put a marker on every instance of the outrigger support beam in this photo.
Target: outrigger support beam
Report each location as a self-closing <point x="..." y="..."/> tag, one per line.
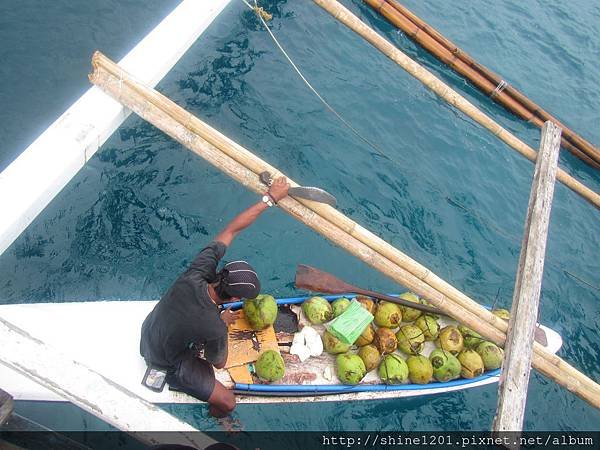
<point x="245" y="167"/>
<point x="514" y="378"/>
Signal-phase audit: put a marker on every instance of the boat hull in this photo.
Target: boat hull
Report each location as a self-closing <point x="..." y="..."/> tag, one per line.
<point x="104" y="336"/>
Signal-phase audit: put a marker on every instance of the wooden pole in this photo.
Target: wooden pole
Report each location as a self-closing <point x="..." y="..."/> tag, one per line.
<point x="514" y="378"/>
<point x="483" y="78"/>
<point x="447" y="93"/>
<point x="92" y="392"/>
<point x="244" y="167"/>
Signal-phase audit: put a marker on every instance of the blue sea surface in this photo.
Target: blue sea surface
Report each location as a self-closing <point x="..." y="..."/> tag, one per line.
<point x="449" y="193"/>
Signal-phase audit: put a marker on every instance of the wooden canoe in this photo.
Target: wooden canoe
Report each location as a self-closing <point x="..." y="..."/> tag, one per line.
<point x="104" y="336"/>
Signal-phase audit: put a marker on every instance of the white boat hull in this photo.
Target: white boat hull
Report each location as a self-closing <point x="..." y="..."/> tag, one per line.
<point x="104" y="336"/>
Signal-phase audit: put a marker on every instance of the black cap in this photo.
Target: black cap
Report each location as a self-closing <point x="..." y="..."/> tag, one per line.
<point x="240" y="280"/>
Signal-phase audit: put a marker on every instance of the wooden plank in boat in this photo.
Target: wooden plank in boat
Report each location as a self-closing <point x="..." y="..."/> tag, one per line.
<point x="245" y="345"/>
<point x="240" y="374"/>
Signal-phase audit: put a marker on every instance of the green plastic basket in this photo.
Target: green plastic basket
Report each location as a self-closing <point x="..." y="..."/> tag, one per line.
<point x="349" y="325"/>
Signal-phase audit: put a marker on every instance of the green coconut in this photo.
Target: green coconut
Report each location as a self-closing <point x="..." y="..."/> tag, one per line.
<point x="366" y="302"/>
<point x="502" y="313"/>
<point x="317" y="310"/>
<point x="445" y="365"/>
<point x="370" y="356"/>
<point x="339" y="306"/>
<point x="471" y="339"/>
<point x="393" y="369"/>
<point x="410" y="339"/>
<point x="471" y="362"/>
<point x="429" y="326"/>
<point x="333" y="345"/>
<point x="420" y="370"/>
<point x="450" y="339"/>
<point x="410" y="314"/>
<point x="350" y="369"/>
<point x="366" y="337"/>
<point x="388" y="315"/>
<point x="385" y="340"/>
<point x="270" y="366"/>
<point x="491" y="355"/>
<point x="260" y="312"/>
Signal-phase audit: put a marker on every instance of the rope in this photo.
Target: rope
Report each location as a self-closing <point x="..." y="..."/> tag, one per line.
<point x="377" y="149"/>
<point x="501" y="86"/>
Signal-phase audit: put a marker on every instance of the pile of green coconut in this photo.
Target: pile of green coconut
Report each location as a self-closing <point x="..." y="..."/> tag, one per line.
<point x="395" y="344"/>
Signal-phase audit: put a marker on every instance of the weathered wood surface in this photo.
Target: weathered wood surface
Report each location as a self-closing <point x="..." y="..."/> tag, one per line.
<point x="512" y="390"/>
<point x="91" y="391"/>
<point x="447" y="93"/>
<point x="6" y="406"/>
<point x="245" y="345"/>
<point x="243" y="166"/>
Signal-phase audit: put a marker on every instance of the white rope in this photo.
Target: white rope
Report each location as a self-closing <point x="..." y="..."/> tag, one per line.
<point x="501" y="86"/>
<point x="327" y="105"/>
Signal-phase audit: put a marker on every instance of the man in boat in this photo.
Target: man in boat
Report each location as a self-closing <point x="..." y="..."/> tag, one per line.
<point x="186" y="332"/>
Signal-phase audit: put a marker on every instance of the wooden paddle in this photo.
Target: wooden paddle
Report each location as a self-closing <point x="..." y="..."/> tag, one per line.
<point x="316" y="280"/>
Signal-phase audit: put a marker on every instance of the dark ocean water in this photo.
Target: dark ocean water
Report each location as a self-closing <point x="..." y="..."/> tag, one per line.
<point x="453" y="197"/>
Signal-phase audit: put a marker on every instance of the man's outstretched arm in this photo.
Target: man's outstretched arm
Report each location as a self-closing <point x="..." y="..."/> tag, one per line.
<point x="277" y="191"/>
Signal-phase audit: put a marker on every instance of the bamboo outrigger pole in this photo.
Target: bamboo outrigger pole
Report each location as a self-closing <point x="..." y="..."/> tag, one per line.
<point x="484" y="79"/>
<point x="245" y="167"/>
<point x="446" y="92"/>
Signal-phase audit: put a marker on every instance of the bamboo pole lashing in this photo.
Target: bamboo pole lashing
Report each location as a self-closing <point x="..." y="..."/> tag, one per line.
<point x="446" y="92"/>
<point x="510" y="97"/>
<point x="469" y="71"/>
<point x="120" y="86"/>
<point x="447" y="57"/>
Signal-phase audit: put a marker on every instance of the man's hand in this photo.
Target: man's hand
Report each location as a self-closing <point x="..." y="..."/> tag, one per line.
<point x="228" y="316"/>
<point x="279" y="189"/>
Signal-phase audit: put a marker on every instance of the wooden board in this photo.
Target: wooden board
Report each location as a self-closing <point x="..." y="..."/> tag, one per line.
<point x="245" y="345"/>
<point x="240" y="374"/>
